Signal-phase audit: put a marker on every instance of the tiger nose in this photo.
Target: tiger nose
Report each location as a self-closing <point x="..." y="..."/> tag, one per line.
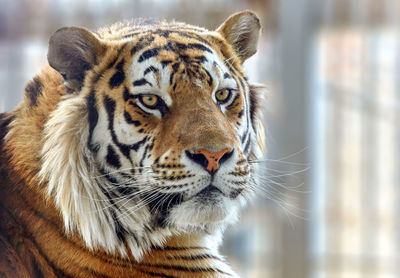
<point x="210" y="161"/>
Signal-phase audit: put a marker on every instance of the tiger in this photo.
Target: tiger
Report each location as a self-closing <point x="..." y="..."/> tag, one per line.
<point x="131" y="152"/>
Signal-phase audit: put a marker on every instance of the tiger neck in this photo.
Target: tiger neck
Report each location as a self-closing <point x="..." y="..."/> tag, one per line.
<point x="58" y="255"/>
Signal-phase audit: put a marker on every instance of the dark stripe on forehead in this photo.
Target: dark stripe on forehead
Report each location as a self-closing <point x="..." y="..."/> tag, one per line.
<point x="172" y="46"/>
<point x="141" y="82"/>
<point x="180" y="30"/>
<point x="192" y="36"/>
<point x="150" y="69"/>
<point x="142" y="43"/>
<point x="148" y="54"/>
<point x="198" y="46"/>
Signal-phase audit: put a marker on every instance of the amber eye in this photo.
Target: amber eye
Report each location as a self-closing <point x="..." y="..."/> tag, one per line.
<point x="223" y="95"/>
<point x="149" y="100"/>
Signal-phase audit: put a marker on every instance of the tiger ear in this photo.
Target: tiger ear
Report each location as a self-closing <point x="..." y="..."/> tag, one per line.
<point x="242" y="30"/>
<point x="73" y="51"/>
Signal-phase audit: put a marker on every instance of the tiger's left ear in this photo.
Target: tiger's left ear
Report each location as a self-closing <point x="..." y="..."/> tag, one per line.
<point x="72" y="52"/>
<point x="242" y="30"/>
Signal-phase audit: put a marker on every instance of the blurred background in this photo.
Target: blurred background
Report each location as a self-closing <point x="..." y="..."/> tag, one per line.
<point x="329" y="204"/>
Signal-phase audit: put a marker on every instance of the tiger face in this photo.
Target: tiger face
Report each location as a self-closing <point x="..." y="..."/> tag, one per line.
<point x="155" y="132"/>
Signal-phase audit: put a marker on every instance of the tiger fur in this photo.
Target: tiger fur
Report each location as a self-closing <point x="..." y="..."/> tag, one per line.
<point x="129" y="154"/>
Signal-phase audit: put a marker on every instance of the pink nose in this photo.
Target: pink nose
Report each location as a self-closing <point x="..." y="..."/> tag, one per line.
<point x="212" y="158"/>
<point x="210" y="161"/>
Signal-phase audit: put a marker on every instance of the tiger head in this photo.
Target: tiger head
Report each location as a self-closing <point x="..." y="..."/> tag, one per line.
<point x="155" y="132"/>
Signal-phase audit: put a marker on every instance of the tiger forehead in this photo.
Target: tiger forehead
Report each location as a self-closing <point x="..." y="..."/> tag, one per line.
<point x="157" y="61"/>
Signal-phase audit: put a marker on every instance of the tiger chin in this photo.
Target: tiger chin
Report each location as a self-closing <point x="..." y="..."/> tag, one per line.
<point x="131" y="151"/>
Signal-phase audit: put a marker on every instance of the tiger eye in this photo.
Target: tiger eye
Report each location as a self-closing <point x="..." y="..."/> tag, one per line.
<point x="149" y="100"/>
<point x="222" y="95"/>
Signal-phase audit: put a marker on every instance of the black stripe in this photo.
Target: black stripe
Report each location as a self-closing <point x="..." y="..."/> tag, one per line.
<point x="247" y="146"/>
<point x="119" y="229"/>
<point x="108" y="176"/>
<point x="240" y="114"/>
<point x="112" y="157"/>
<point x="142" y="43"/>
<point x="136" y="146"/>
<point x="127" y="95"/>
<point x="165" y="63"/>
<point x="198" y="46"/>
<point x="235" y="193"/>
<point x="185" y="268"/>
<point x="146" y="149"/>
<point x="160" y="206"/>
<point x="183" y="31"/>
<point x="93" y="118"/>
<point x="176" y="248"/>
<point x="150" y="69"/>
<point x="253" y="105"/>
<point x="5" y="120"/>
<point x="155" y="274"/>
<point x="195" y="257"/>
<point x="119" y="76"/>
<point x="210" y="79"/>
<point x="233" y="101"/>
<point x="175" y="68"/>
<point x="112" y="63"/>
<point x="227" y="75"/>
<point x="172" y="46"/>
<point x="201" y="58"/>
<point x="149" y="53"/>
<point x="141" y="82"/>
<point x="125" y="149"/>
<point x="242" y="84"/>
<point x="37" y="271"/>
<point x="33" y="91"/>
<point x="58" y="272"/>
<point x="129" y="120"/>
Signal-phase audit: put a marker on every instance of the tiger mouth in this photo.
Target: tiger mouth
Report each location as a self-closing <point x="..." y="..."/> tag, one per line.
<point x="209" y="191"/>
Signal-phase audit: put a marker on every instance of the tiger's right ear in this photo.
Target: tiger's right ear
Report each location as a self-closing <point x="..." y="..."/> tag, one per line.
<point x="73" y="51"/>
